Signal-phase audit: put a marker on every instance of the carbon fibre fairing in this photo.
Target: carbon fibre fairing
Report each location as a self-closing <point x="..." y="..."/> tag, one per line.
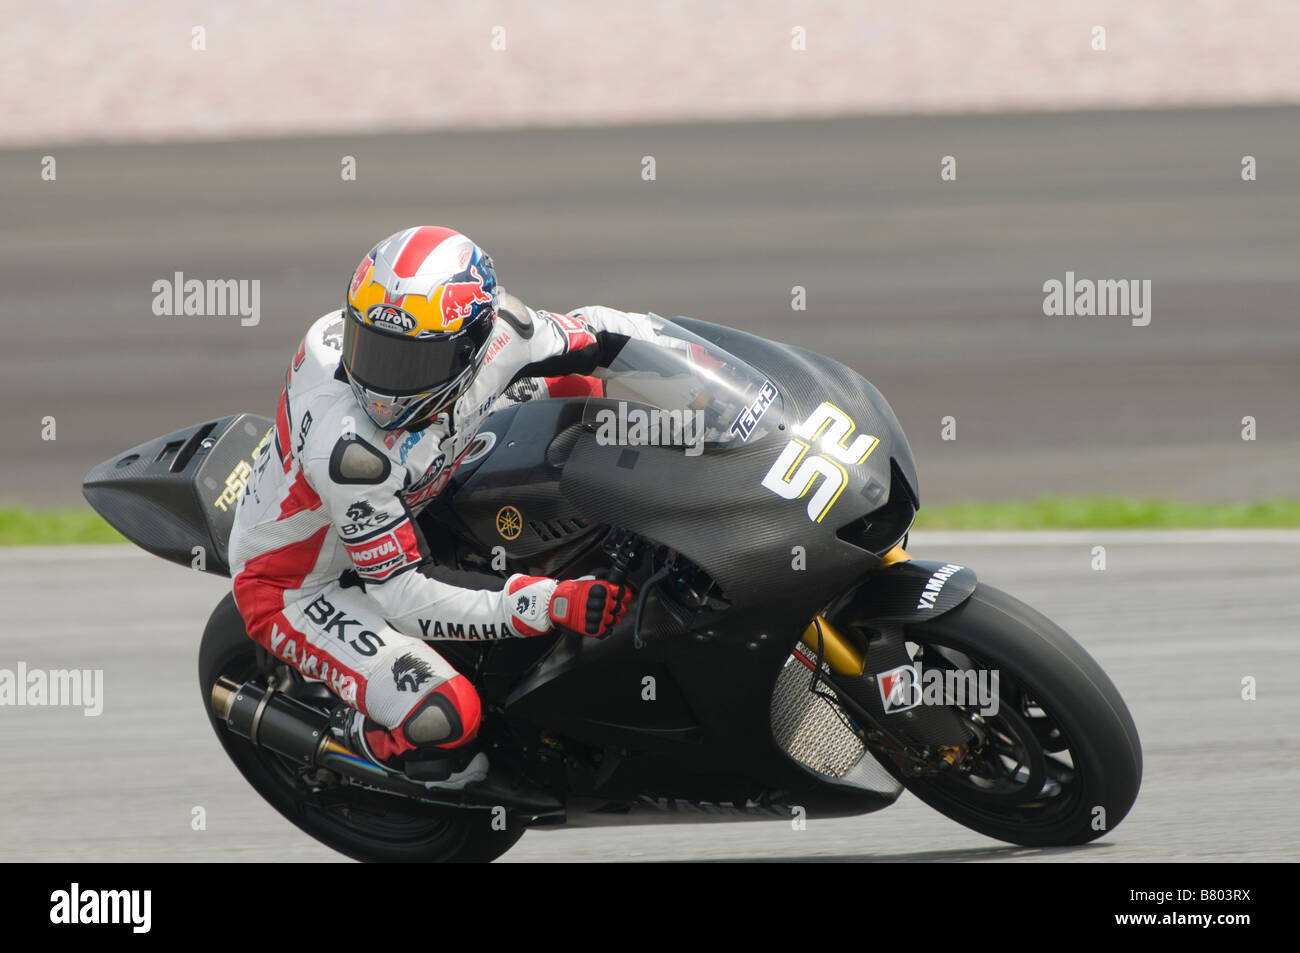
<point x="175" y="495"/>
<point x="824" y="525"/>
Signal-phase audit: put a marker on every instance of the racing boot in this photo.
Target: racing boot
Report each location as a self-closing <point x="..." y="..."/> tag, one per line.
<point x="435" y="768"/>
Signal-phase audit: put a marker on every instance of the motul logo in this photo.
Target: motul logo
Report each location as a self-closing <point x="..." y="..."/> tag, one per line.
<point x="382" y="550"/>
<point x="387" y="548"/>
<point x="381" y="557"/>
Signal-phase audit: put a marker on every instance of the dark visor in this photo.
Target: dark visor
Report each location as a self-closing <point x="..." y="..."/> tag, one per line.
<point x="396" y="365"/>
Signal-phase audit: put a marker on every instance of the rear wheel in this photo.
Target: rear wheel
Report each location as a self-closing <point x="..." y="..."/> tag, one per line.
<point x="366" y="828"/>
<point x="1059" y="761"/>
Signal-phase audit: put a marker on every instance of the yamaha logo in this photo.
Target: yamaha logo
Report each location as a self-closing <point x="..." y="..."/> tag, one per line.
<point x="509" y="522"/>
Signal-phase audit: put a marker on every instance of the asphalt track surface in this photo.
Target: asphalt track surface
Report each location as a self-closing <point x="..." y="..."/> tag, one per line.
<point x="932" y="289"/>
<point x="1177" y="620"/>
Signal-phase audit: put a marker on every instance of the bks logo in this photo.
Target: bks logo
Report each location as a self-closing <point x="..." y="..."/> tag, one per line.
<point x="527" y="608"/>
<point x="363" y="517"/>
<point x="360" y="510"/>
<point x="409" y="673"/>
<point x="331" y="620"/>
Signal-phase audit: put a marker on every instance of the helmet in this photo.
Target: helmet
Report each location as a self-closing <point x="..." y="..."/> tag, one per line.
<point x="420" y="311"/>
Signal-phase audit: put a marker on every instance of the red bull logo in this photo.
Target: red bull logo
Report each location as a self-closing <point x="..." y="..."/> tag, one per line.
<point x="459" y="299"/>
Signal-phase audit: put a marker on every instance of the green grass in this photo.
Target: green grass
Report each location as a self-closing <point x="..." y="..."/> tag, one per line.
<point x="1110" y="512"/>
<point x="20" y="526"/>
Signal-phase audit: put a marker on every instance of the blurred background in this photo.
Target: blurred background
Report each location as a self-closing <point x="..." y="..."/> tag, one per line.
<point x="793" y="144"/>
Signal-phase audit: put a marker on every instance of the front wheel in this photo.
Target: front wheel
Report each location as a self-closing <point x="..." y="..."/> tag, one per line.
<point x="1058" y="761"/>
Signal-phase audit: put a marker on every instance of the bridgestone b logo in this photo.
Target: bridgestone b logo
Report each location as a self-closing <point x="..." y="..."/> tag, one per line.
<point x="907" y="686"/>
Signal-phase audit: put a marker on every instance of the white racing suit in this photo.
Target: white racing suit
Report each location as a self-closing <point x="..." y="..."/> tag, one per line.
<point x="333" y="499"/>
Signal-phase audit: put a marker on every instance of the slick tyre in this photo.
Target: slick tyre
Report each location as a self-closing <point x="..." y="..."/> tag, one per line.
<point x="1061" y="762"/>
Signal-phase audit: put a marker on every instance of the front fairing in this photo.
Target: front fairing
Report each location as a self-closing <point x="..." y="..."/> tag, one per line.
<point x="808" y="485"/>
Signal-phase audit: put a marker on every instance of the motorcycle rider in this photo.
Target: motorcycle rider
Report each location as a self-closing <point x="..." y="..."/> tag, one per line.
<point x="381" y="403"/>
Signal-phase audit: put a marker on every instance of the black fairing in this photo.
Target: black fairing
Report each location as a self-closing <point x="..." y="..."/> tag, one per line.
<point x="913" y="592"/>
<point x="522" y="470"/>
<point x="807" y="379"/>
<point x="713" y="672"/>
<point x="177" y="492"/>
<point x="711" y="508"/>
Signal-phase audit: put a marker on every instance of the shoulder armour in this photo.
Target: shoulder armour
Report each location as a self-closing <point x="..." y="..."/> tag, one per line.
<point x="355" y="461"/>
<point x="516" y="314"/>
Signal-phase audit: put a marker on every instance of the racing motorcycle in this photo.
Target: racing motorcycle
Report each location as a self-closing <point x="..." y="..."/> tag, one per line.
<point x="784" y="656"/>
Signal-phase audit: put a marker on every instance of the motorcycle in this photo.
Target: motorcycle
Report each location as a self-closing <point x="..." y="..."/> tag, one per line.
<point x="784" y="656"/>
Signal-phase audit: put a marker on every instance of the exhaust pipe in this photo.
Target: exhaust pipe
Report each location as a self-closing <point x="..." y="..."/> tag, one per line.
<point x="272" y="720"/>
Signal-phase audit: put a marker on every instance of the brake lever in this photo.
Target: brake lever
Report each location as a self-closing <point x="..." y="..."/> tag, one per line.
<point x="650" y="583"/>
<point x="622" y="554"/>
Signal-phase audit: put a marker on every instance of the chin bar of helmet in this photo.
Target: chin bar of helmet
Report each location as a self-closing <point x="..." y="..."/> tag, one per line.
<point x="428" y="407"/>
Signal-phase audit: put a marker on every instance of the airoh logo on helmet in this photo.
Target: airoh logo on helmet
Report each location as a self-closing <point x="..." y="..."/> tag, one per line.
<point x="390" y="318"/>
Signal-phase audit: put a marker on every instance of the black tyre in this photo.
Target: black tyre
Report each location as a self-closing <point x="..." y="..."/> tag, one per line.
<point x="1060" y="762"/>
<point x="380" y="829"/>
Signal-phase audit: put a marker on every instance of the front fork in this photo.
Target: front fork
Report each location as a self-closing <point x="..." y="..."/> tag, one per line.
<point x="923" y="739"/>
<point x="842" y="655"/>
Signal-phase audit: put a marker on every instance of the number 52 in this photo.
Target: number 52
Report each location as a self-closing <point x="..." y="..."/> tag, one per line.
<point x="795" y="470"/>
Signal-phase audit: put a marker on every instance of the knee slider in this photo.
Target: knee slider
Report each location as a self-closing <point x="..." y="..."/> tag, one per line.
<point x="448" y="717"/>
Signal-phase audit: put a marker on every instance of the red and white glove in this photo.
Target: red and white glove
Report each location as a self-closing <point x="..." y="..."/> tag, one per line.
<point x="588" y="606"/>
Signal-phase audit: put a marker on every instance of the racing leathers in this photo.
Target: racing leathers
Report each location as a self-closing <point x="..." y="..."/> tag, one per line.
<point x="332" y="503"/>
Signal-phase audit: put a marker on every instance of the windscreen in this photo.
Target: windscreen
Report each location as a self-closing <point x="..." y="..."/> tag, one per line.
<point x="715" y="397"/>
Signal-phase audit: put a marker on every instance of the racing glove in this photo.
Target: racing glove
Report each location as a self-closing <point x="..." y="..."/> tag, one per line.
<point x="588" y="606"/>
